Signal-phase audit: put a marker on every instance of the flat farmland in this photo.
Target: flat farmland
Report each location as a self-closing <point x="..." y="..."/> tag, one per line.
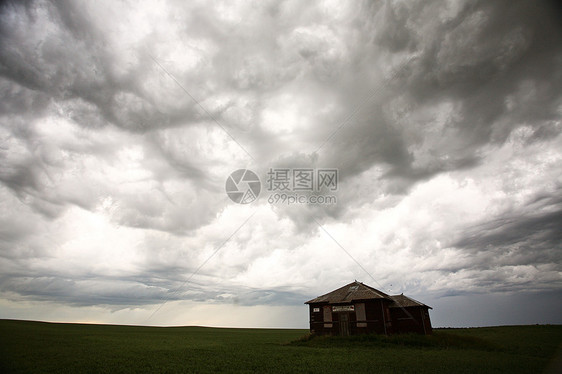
<point x="38" y="347"/>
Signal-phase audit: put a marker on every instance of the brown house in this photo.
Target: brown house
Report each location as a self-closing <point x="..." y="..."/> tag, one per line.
<point x="359" y="309"/>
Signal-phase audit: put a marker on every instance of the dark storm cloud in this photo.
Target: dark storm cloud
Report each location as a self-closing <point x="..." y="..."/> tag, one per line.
<point x="93" y="118"/>
<point x="81" y="292"/>
<point x="530" y="235"/>
<point x="497" y="62"/>
<point x="63" y="54"/>
<point x="56" y="62"/>
<point x="481" y="310"/>
<point x="134" y="291"/>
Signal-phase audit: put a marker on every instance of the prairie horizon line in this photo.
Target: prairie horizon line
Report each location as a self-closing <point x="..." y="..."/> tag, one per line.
<point x="246" y="328"/>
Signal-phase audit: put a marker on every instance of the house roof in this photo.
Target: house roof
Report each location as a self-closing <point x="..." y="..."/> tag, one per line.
<point x="401" y="301"/>
<point x="349" y="292"/>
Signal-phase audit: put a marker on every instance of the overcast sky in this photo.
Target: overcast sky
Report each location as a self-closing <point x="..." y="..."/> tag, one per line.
<point x="120" y="123"/>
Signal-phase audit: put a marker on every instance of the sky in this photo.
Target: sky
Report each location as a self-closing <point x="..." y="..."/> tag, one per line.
<point x="121" y="122"/>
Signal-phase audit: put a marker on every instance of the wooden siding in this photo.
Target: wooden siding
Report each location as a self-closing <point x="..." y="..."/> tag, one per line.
<point x="368" y="316"/>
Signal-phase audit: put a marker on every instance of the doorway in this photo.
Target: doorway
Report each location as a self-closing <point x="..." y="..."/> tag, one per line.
<point x="344" y="324"/>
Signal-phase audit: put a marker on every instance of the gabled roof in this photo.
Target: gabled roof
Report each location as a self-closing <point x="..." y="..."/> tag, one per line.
<point x="401" y="301"/>
<point x="353" y="291"/>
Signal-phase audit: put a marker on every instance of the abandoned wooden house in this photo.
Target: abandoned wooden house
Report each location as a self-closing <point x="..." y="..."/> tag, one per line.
<point x="359" y="309"/>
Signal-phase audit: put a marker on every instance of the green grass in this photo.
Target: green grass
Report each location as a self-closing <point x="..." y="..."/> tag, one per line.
<point x="28" y="347"/>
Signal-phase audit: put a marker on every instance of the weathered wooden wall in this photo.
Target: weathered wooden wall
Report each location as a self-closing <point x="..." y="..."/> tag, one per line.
<point x="367" y="316"/>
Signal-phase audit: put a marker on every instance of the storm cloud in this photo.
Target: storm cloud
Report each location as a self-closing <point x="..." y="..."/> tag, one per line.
<point x="120" y="123"/>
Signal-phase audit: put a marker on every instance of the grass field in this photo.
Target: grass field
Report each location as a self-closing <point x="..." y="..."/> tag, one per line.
<point x="36" y="347"/>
